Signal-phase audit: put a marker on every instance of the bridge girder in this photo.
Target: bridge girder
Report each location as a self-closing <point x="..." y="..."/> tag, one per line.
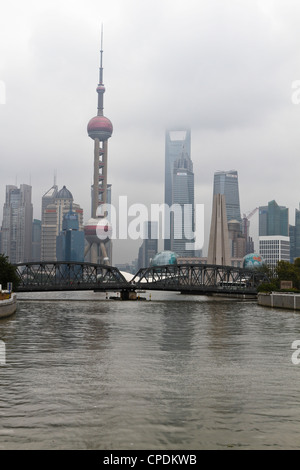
<point x="200" y="278"/>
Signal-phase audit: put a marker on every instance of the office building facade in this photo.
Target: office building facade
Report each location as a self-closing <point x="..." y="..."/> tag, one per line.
<point x="273" y="220"/>
<point x="179" y="191"/>
<point x="70" y="241"/>
<point x="182" y="219"/>
<point x="36" y="240"/>
<point x="274" y="248"/>
<point x="227" y="183"/>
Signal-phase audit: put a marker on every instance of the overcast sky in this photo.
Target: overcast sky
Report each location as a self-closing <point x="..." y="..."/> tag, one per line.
<point x="223" y="68"/>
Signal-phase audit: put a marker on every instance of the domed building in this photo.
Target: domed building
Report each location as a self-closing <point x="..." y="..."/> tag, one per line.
<point x="253" y="260"/>
<point x="164" y="258"/>
<point x="64" y="194"/>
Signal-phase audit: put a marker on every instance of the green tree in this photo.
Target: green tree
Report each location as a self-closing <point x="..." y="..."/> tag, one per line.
<point x="297" y="263"/>
<point x="8" y="272"/>
<point x="288" y="272"/>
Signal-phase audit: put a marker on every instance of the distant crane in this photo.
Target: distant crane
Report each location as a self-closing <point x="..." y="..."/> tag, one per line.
<point x="246" y="225"/>
<point x="251" y="214"/>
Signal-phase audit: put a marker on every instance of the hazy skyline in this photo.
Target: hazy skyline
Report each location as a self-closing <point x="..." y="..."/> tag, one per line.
<point x="223" y="69"/>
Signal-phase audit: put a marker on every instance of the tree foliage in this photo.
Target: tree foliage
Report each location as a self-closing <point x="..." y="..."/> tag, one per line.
<point x="284" y="271"/>
<point x="8" y="272"/>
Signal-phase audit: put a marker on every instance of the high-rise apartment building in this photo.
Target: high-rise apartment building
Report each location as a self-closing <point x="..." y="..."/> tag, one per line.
<point x="17" y="224"/>
<point x="179" y="190"/>
<point x="227" y="183"/>
<point x="52" y="222"/>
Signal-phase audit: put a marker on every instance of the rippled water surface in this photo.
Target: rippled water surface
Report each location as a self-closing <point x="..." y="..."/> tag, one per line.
<point x="176" y="372"/>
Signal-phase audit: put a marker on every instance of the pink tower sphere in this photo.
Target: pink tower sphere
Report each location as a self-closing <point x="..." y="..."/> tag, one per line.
<point x="100" y="127"/>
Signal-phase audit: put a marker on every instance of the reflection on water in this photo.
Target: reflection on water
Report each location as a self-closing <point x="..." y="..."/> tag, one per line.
<point x="176" y="372"/>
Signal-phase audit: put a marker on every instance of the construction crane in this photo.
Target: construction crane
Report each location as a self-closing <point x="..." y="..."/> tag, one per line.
<point x="246" y="225"/>
<point x="251" y="214"/>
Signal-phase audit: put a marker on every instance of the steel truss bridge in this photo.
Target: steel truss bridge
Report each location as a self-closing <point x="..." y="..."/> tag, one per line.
<point x="190" y="279"/>
<point x="200" y="279"/>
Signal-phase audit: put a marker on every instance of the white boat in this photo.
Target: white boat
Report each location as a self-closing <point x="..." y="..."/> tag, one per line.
<point x="8" y="303"/>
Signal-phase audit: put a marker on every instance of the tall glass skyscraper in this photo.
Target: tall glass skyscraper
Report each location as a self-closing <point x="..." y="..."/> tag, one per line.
<point x="70" y="241"/>
<point x="179" y="189"/>
<point x="182" y="225"/>
<point x="17" y="224"/>
<point x="226" y="182"/>
<point x="273" y="220"/>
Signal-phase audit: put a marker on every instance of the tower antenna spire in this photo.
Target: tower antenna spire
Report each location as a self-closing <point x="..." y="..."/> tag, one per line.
<point x="101" y="58"/>
<point x="101" y="88"/>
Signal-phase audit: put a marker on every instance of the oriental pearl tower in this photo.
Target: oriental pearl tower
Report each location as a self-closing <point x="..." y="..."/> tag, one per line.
<point x="98" y="229"/>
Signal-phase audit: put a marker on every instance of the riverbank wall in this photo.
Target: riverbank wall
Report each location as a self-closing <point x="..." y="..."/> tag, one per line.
<point x="286" y="300"/>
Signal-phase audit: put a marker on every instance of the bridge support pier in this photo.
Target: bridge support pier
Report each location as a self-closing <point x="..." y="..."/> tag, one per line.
<point x="128" y="295"/>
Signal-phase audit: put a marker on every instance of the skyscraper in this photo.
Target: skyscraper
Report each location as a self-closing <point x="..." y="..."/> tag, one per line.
<point x="70" y="241"/>
<point x="182" y="227"/>
<point x="274" y="240"/>
<point x="17" y="224"/>
<point x="179" y="189"/>
<point x="226" y="182"/>
<point x="36" y="240"/>
<point x="273" y="220"/>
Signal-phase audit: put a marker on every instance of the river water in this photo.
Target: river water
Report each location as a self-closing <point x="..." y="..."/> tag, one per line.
<point x="80" y="371"/>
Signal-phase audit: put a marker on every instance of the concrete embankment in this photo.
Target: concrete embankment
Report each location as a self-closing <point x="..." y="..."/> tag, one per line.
<point x="279" y="300"/>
